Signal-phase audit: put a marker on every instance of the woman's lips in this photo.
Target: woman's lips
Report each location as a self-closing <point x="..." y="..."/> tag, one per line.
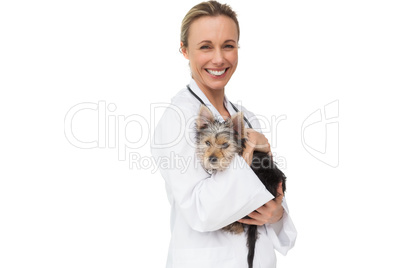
<point x="217" y="72"/>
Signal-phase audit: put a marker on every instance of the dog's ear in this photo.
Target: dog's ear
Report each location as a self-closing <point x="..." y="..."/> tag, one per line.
<point x="238" y="124"/>
<point x="205" y="116"/>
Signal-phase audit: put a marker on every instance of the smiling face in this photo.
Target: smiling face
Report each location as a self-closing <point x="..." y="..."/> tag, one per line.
<point x="212" y="51"/>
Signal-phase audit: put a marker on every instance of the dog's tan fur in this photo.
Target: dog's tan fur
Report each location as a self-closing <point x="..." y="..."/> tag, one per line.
<point x="220" y="140"/>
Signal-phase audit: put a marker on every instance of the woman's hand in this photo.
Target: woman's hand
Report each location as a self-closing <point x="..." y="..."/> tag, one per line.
<point x="271" y="212"/>
<point x="255" y="142"/>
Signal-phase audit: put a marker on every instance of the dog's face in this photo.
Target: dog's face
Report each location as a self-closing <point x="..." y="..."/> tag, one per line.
<point x="218" y="142"/>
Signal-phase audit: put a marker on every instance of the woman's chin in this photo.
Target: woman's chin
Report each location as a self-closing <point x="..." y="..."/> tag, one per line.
<point x="216" y="84"/>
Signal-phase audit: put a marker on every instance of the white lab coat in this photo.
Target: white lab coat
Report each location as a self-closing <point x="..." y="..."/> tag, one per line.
<point x="201" y="204"/>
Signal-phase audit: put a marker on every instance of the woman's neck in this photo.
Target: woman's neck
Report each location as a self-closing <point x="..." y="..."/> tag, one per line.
<point x="216" y="98"/>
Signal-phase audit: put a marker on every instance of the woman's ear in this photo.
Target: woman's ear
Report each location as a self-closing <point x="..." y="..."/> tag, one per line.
<point x="183" y="50"/>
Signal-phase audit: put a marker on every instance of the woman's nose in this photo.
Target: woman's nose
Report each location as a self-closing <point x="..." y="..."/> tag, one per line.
<point x="217" y="57"/>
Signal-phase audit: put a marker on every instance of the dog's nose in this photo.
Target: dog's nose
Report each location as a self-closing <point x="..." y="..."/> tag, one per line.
<point x="213" y="159"/>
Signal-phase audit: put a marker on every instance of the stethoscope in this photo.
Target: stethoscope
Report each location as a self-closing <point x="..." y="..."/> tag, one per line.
<point x="234" y="107"/>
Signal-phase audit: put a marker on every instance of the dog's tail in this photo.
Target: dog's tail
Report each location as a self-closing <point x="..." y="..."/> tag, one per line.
<point x="252" y="236"/>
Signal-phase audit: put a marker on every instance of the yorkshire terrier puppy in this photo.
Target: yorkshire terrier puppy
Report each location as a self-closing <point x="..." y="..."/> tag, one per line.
<point x="217" y="144"/>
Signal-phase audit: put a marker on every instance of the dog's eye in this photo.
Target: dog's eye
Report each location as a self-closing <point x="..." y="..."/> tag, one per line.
<point x="225" y="145"/>
<point x="208" y="143"/>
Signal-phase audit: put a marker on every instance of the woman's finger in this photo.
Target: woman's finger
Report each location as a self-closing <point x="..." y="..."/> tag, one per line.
<point x="257" y="216"/>
<point x="250" y="222"/>
<point x="279" y="195"/>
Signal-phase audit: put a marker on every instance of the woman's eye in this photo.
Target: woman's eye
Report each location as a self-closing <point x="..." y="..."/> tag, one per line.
<point x="208" y="143"/>
<point x="225" y="145"/>
<point x="204" y="47"/>
<point x="229" y="46"/>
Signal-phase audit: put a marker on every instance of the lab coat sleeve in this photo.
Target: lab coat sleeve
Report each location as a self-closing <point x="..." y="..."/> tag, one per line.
<point x="282" y="233"/>
<point x="207" y="202"/>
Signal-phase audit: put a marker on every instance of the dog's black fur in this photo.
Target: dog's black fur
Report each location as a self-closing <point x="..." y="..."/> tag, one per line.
<point x="271" y="177"/>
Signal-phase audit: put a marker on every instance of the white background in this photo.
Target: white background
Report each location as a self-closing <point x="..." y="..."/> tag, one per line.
<point x="63" y="206"/>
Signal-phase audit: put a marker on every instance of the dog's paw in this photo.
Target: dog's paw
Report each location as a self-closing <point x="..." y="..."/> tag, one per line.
<point x="234" y="228"/>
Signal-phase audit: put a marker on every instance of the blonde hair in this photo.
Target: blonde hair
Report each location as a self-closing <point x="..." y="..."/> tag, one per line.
<point x="210" y="8"/>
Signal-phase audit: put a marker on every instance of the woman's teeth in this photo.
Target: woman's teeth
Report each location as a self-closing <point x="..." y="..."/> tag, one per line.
<point x="216" y="73"/>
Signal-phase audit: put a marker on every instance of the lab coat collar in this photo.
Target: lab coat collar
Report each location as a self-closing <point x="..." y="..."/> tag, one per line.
<point x="194" y="87"/>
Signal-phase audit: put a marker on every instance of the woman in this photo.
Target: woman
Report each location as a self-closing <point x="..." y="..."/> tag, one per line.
<point x="203" y="203"/>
